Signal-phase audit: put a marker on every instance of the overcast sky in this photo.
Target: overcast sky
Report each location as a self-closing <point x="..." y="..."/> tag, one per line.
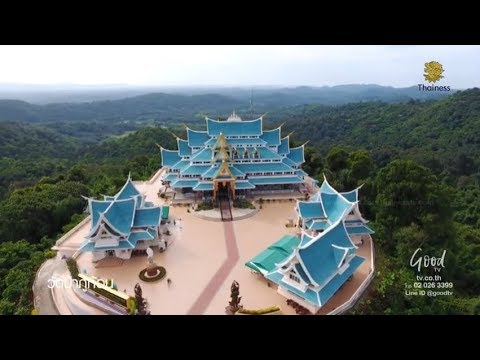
<point x="397" y="66"/>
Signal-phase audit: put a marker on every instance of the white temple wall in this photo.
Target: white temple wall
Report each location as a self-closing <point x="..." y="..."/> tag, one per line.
<point x="106" y="242"/>
<point x="123" y="253"/>
<point x="98" y="255"/>
<point x="145" y="244"/>
<point x="289" y="295"/>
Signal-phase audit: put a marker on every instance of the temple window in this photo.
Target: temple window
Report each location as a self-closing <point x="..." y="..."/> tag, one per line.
<point x="294" y="277"/>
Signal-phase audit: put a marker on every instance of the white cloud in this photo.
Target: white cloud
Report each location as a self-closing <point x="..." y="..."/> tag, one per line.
<point x="236" y="65"/>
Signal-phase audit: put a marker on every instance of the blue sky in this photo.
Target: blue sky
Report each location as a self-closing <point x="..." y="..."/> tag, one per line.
<point x="198" y="65"/>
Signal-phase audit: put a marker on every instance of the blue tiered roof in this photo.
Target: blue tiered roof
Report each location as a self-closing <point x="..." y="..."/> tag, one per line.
<point x="247" y="149"/>
<point x="96" y="208"/>
<point x="284" y="147"/>
<point x="196" y="138"/>
<point x="123" y="217"/>
<point x="317" y="261"/>
<point x="335" y="205"/>
<point x="272" y="137"/>
<point x="204" y="186"/>
<point x="297" y="155"/>
<point x="120" y="215"/>
<point x="234" y="128"/>
<point x="311" y="210"/>
<point x="170" y="157"/>
<point x="147" y="217"/>
<point x="128" y="190"/>
<point x="320" y="264"/>
<point x="183" y="148"/>
<point x="273" y="180"/>
<point x="329" y="249"/>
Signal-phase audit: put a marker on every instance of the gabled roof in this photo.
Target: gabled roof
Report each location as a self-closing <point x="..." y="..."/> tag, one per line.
<point x="136" y="236"/>
<point x="305" y="238"/>
<point x="310" y="210"/>
<point x="351" y="196"/>
<point x="271" y="180"/>
<point x="214" y="169"/>
<point x="276" y="253"/>
<point x="315" y="224"/>
<point x="195" y="170"/>
<point x="221" y="142"/>
<point x="127" y="191"/>
<point x="147" y="217"/>
<point x="284" y="147"/>
<point x="323" y="255"/>
<point x="170" y="177"/>
<point x="169" y="157"/>
<point x="196" y="138"/>
<point x="297" y="155"/>
<point x="359" y="230"/>
<point x="251" y="168"/>
<point x="325" y="188"/>
<point x="120" y="215"/>
<point x="266" y="153"/>
<point x="244" y="185"/>
<point x="96" y="208"/>
<point x="321" y="297"/>
<point x="90" y="246"/>
<point x="335" y="206"/>
<point x="247" y="142"/>
<point x="288" y="162"/>
<point x="184" y="183"/>
<point x="333" y="203"/>
<point x="222" y="155"/>
<point x="202" y="155"/>
<point x="224" y="171"/>
<point x="183" y="148"/>
<point x="338" y="280"/>
<point x="272" y="137"/>
<point x="229" y="128"/>
<point x="181" y="165"/>
<point x="204" y="186"/>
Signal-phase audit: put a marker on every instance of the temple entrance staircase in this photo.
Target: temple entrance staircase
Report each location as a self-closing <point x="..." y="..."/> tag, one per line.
<point x="224" y="205"/>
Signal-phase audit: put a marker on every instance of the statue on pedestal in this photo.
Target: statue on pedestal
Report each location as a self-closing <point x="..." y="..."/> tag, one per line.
<point x="152" y="268"/>
<point x="234" y="304"/>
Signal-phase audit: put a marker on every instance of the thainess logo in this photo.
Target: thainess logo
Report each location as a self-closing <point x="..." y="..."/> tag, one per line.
<point x="433" y="73"/>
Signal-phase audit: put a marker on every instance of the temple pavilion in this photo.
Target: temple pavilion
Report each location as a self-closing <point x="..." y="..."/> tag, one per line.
<point x="312" y="267"/>
<point x="122" y="224"/>
<point x="234" y="157"/>
<point x="327" y="206"/>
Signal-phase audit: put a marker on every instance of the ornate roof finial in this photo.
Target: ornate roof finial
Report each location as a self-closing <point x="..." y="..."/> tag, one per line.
<point x="234" y="117"/>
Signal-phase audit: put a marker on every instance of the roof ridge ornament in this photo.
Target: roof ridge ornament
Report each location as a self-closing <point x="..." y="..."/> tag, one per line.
<point x="234" y="117"/>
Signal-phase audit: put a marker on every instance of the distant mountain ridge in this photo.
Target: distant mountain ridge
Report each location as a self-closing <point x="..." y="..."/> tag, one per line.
<point x="187" y="104"/>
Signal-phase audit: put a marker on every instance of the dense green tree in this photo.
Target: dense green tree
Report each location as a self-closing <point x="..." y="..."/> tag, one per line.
<point x="41" y="210"/>
<point x="313" y="161"/>
<point x="361" y="165"/>
<point x="409" y="194"/>
<point x="337" y="159"/>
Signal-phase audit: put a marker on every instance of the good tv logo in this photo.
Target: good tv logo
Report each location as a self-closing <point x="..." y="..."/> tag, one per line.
<point x="433" y="73"/>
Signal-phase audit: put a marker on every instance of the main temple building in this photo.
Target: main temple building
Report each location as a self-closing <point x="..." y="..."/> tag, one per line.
<point x="234" y="157"/>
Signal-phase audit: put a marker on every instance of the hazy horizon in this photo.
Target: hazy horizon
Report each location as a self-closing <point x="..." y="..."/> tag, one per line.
<point x="73" y="86"/>
<point x="234" y="66"/>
